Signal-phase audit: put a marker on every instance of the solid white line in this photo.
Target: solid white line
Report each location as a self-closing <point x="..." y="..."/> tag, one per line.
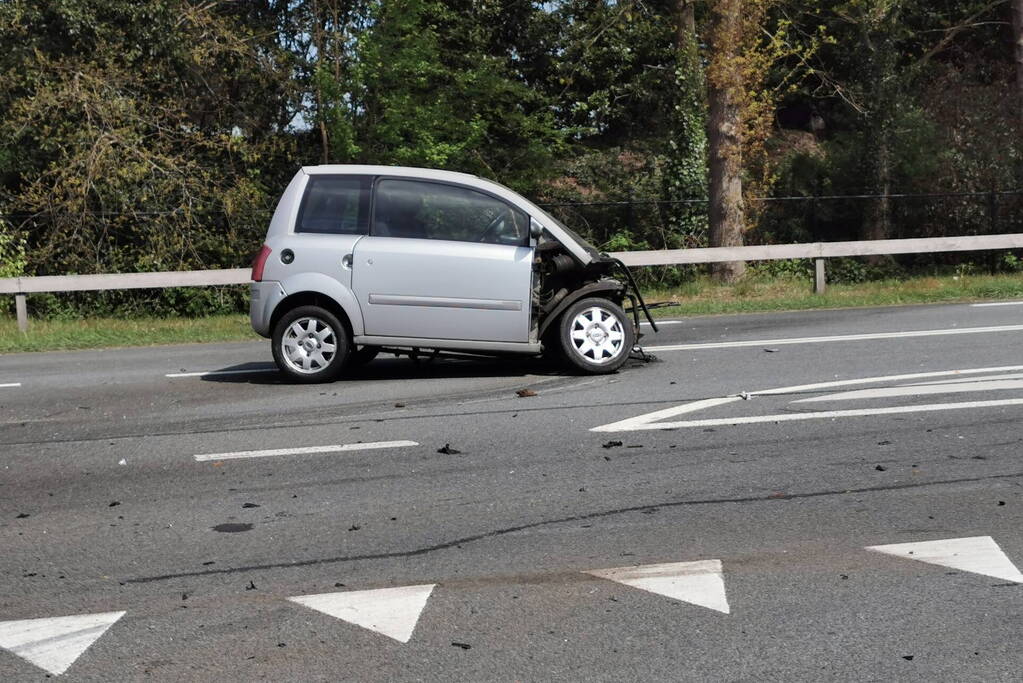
<point x="1000" y="303"/>
<point x="208" y="373"/>
<point x="837" y="338"/>
<point x="10" y="385"/>
<point x="309" y="450"/>
<point x="832" y="414"/>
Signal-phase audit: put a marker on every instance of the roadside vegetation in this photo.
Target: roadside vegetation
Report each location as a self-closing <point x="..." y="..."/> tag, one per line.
<point x="702" y="296"/>
<point x="642" y="125"/>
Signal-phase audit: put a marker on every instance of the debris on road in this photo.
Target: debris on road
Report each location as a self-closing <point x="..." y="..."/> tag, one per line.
<point x="613" y="444"/>
<point x="114" y="503"/>
<point x="464" y="646"/>
<point x="354" y="527"/>
<point x="448" y="450"/>
<point x="770" y="350"/>
<point x="399" y="405"/>
<point x="251" y="586"/>
<point x="122" y="461"/>
<point x="250" y="505"/>
<point x="880" y="468"/>
<point x="232" y="528"/>
<point x="22" y="515"/>
<point x="525" y="393"/>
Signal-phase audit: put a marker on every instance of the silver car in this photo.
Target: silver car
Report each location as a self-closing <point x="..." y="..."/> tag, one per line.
<point x="360" y="259"/>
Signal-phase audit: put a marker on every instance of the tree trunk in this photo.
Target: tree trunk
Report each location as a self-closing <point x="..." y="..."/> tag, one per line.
<point x="685" y="24"/>
<point x="1017" y="34"/>
<point x="727" y="212"/>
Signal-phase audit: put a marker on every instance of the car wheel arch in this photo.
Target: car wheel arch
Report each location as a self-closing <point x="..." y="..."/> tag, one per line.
<point x="607" y="289"/>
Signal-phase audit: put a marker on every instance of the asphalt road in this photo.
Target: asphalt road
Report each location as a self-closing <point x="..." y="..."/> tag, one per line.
<point x="814" y="496"/>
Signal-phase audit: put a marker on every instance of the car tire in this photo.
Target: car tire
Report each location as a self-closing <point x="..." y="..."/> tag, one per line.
<point x="596" y="336"/>
<point x="363" y="355"/>
<point x="310" y="345"/>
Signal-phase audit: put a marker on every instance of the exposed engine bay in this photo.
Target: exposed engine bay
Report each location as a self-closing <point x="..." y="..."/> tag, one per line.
<point x="559" y="280"/>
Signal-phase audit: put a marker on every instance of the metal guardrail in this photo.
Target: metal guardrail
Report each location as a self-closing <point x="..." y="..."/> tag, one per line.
<point x="819" y="251"/>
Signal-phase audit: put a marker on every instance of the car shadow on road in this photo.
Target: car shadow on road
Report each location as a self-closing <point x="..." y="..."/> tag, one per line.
<point x="390" y="368"/>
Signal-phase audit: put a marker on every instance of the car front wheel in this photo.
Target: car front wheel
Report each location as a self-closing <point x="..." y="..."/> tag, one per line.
<point x="596" y="336"/>
<point x="310" y="345"/>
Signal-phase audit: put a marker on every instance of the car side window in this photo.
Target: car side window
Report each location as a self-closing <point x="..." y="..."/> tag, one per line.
<point x="335" y="205"/>
<point x="428" y="210"/>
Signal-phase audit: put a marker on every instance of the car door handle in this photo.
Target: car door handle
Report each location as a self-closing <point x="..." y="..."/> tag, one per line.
<point x="346" y="261"/>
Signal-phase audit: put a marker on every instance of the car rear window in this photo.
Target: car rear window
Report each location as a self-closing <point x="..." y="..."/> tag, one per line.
<point x="335" y="205"/>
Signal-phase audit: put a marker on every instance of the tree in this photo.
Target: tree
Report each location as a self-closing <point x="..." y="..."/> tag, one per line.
<point x="685" y="178"/>
<point x="1017" y="34"/>
<point x="726" y="82"/>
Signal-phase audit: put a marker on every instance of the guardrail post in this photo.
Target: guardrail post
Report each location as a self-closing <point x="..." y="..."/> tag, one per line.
<point x="819" y="281"/>
<point x="21" y="306"/>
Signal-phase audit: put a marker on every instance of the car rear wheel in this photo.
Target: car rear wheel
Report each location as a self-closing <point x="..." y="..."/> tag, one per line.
<point x="596" y="336"/>
<point x="310" y="345"/>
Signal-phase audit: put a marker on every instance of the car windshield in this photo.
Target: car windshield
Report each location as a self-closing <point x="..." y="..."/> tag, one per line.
<point x="583" y="244"/>
<point x="589" y="248"/>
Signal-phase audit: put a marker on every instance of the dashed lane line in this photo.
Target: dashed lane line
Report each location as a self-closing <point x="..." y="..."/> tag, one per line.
<point x="836" y="338"/>
<point x="10" y="385"/>
<point x="309" y="450"/>
<point x="209" y="373"/>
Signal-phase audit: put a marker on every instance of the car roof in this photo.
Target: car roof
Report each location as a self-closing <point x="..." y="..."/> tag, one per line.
<point x="407" y="171"/>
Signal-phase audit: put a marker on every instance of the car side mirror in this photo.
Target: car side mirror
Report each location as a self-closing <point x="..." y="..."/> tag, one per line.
<point x="535" y="229"/>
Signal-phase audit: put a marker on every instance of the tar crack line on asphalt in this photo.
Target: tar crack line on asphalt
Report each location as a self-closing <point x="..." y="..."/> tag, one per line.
<point x="770" y="498"/>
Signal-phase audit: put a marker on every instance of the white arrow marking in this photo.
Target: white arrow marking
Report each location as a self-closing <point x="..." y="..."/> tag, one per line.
<point x="650" y="420"/>
<point x="979" y="555"/>
<point x="392" y="612"/>
<point x="700" y="583"/>
<point x="53" y="644"/>
<point x="959" y="387"/>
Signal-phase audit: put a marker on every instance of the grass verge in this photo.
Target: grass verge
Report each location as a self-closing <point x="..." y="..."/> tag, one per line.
<point x="92" y="333"/>
<point x="762" y="294"/>
<point x="702" y="297"/>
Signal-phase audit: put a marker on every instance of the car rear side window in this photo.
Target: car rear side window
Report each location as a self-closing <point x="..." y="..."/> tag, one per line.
<point x="335" y="205"/>
<point x="428" y="210"/>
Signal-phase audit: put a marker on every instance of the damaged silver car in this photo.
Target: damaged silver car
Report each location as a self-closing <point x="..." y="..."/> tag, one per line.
<point x="361" y="259"/>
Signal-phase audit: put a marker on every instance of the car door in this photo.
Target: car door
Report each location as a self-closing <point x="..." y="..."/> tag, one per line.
<point x="444" y="261"/>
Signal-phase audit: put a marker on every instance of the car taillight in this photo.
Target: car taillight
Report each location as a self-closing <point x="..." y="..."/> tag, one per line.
<point x="259" y="262"/>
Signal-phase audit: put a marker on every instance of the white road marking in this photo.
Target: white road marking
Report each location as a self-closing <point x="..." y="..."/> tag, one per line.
<point x="664" y="322"/>
<point x="392" y="612"/>
<point x="211" y="373"/>
<point x="308" y="450"/>
<point x="10" y="385"/>
<point x="978" y="555"/>
<point x="836" y="338"/>
<point x="827" y="415"/>
<point x="999" y="303"/>
<point x="649" y="420"/>
<point x="920" y="390"/>
<point x="699" y="583"/>
<point x="54" y="643"/>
